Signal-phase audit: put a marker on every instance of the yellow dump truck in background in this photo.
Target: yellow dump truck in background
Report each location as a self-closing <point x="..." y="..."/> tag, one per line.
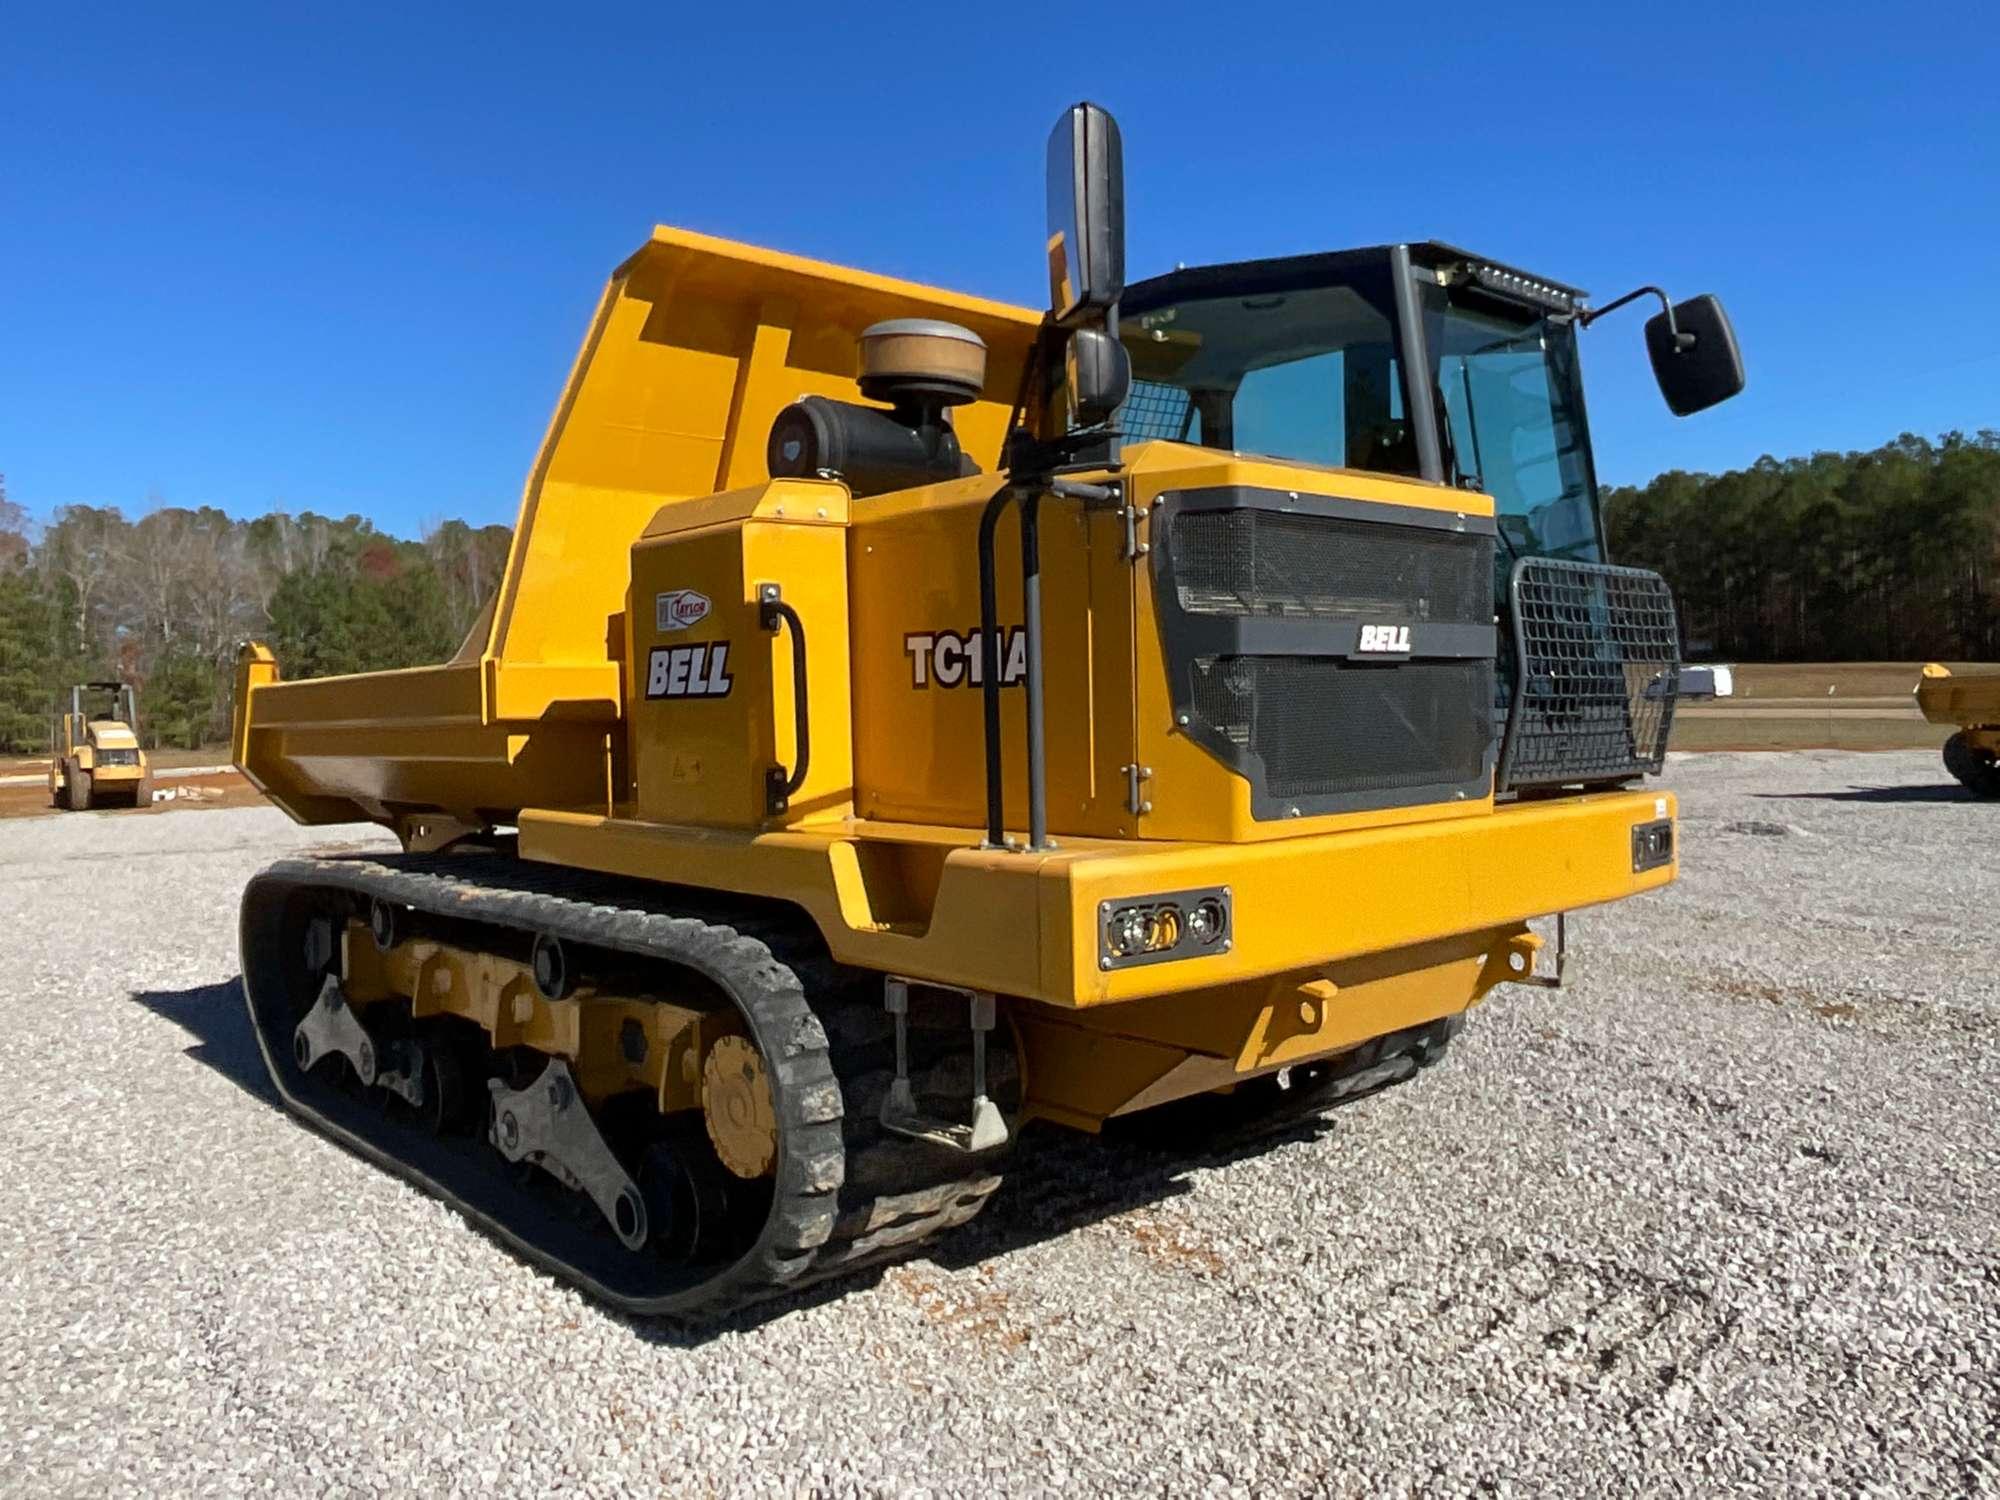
<point x="1972" y="703"/>
<point x="95" y="756"/>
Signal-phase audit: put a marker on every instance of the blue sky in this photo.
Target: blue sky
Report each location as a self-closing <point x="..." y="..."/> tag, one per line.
<point x="341" y="257"/>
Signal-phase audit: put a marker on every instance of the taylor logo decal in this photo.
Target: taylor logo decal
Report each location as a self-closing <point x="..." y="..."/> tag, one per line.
<point x="679" y="608"/>
<point x="1385" y="638"/>
<point x="689" y="671"/>
<point x="946" y="658"/>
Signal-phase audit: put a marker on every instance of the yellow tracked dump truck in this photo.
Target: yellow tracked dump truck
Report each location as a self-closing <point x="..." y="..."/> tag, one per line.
<point x="95" y="759"/>
<point x="907" y="717"/>
<point x="1972" y="704"/>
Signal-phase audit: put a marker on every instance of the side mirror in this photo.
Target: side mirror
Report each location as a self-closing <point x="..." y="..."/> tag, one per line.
<point x="1098" y="372"/>
<point x="1694" y="355"/>
<point x="1086" y="213"/>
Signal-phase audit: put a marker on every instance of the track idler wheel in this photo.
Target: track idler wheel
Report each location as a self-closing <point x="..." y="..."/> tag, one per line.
<point x="736" y="1106"/>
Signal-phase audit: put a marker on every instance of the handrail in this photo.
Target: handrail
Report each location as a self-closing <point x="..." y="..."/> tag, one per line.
<point x="772" y="611"/>
<point x="990" y="664"/>
<point x="1028" y="493"/>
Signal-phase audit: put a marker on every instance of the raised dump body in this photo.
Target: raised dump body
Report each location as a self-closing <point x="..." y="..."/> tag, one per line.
<point x="1970" y="701"/>
<point x="696" y="346"/>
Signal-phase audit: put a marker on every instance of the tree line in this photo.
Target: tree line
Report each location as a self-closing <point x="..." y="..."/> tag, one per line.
<point x="1891" y="555"/>
<point x="163" y="601"/>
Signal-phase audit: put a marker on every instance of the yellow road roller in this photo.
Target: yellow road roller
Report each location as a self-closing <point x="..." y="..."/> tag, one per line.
<point x="907" y="719"/>
<point x="95" y="759"/>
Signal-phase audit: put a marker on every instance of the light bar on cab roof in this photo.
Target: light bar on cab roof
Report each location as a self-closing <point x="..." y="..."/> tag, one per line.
<point x="1526" y="288"/>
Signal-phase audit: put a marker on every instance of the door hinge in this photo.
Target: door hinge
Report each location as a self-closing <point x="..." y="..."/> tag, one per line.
<point x="1131" y="515"/>
<point x="1136" y="777"/>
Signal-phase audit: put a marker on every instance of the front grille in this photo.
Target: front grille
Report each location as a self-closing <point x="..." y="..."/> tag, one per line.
<point x="1597" y="665"/>
<point x="1336" y="653"/>
<point x="1318" y="727"/>
<point x="1282" y="563"/>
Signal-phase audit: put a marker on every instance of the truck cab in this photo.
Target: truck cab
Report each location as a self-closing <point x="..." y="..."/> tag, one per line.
<point x="1430" y="364"/>
<point x="1419" y="360"/>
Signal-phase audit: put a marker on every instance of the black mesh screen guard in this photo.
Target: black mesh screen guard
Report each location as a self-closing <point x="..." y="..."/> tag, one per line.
<point x="1153" y="410"/>
<point x="1597" y="667"/>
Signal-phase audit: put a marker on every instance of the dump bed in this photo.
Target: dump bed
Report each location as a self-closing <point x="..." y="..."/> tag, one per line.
<point x="696" y="346"/>
<point x="1967" y="700"/>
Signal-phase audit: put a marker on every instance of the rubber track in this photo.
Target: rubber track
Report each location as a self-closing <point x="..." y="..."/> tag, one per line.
<point x="1978" y="771"/>
<point x="814" y="1229"/>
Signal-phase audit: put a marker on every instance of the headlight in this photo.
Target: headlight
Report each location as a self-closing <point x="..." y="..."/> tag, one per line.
<point x="1151" y="929"/>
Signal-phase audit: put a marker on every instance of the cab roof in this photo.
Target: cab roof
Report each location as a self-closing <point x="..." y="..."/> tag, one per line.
<point x="1283" y="273"/>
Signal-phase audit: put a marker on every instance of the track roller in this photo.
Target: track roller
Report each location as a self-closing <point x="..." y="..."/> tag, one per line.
<point x="551" y="967"/>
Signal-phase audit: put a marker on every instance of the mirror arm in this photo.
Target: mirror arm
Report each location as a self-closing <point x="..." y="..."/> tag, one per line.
<point x="1030" y="393"/>
<point x="1681" y="340"/>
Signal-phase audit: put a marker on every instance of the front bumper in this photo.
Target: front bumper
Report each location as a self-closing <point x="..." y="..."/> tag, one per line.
<point x="1301" y="903"/>
<point x="930" y="904"/>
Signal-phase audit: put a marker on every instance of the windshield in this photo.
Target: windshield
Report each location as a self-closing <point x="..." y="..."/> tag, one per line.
<point x="1513" y="420"/>
<point x="1309" y="374"/>
<point x="1313" y="374"/>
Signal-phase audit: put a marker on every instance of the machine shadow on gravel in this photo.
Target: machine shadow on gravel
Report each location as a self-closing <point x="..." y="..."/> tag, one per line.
<point x="216" y="1016"/>
<point x="1065" y="1183"/>
<point x="1944" y="793"/>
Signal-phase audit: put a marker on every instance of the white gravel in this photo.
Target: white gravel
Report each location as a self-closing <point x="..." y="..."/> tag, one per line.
<point x="1726" y="1213"/>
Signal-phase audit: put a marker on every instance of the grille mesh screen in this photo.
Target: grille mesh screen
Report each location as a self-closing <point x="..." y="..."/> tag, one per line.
<point x="1323" y="728"/>
<point x="1598" y="666"/>
<point x="1153" y="410"/>
<point x="1268" y="562"/>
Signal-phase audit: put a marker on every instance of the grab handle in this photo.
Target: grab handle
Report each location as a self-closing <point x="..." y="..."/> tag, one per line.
<point x="780" y="786"/>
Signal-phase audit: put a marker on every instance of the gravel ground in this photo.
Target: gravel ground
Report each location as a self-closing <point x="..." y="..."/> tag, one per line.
<point x="1726" y="1213"/>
